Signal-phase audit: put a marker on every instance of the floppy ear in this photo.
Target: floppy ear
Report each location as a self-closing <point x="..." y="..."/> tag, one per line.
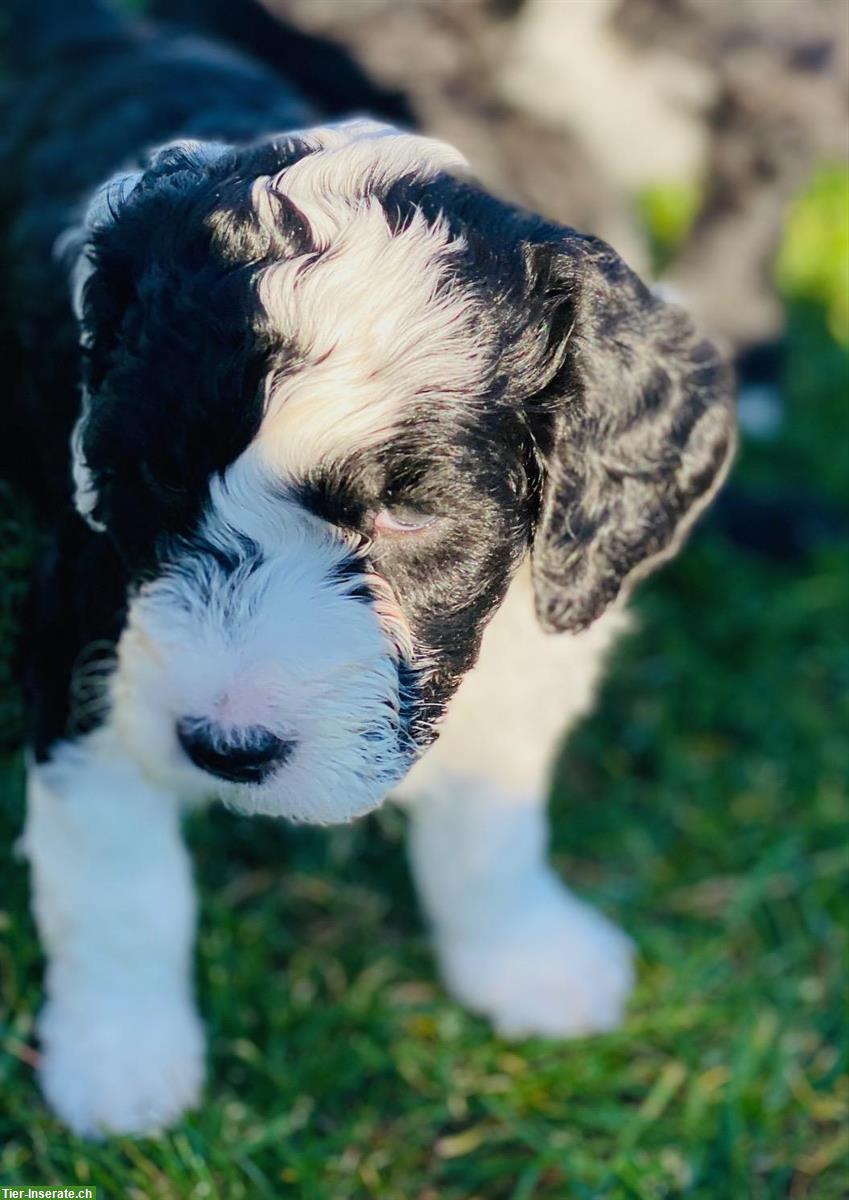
<point x="76" y="247"/>
<point x="639" y="431"/>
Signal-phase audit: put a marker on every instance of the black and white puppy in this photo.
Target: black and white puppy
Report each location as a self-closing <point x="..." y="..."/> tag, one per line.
<point x="332" y="441"/>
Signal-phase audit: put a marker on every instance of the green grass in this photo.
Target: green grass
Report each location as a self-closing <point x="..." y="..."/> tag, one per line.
<point x="702" y="805"/>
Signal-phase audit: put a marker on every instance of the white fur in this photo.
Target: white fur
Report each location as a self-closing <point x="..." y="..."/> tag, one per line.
<point x="512" y="942"/>
<point x="85" y="493"/>
<point x="276" y="643"/>
<point x="382" y="331"/>
<point x="349" y="161"/>
<point x="121" y="1045"/>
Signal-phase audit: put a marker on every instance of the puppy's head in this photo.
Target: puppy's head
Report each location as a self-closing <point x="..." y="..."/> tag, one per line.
<point x="334" y="394"/>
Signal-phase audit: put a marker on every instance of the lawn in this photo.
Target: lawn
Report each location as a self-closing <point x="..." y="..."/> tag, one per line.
<point x="703" y="805"/>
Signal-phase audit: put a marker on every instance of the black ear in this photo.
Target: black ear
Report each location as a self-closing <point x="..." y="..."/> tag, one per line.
<point x="638" y="427"/>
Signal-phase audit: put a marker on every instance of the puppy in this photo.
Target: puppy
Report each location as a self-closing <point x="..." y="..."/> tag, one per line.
<point x="332" y="443"/>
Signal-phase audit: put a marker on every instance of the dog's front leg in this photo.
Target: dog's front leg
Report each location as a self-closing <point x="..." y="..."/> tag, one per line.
<point x="122" y="1048"/>
<point x="512" y="941"/>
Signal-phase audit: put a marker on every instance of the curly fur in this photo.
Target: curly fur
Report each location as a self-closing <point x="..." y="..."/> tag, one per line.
<point x="236" y="338"/>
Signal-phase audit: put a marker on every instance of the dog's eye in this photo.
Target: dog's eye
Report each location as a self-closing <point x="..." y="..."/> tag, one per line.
<point x="402" y="518"/>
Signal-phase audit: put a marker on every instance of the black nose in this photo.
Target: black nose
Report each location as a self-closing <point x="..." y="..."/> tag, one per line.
<point x="240" y="755"/>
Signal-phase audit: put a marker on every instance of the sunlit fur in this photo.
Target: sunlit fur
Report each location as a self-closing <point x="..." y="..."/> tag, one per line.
<point x="384" y="332"/>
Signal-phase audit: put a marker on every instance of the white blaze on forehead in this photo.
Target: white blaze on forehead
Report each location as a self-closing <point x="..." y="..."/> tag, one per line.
<point x="374" y="313"/>
<point x="348" y="162"/>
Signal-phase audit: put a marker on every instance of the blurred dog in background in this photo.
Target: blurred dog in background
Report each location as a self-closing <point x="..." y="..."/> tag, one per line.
<point x="332" y="442"/>
<point x="573" y="108"/>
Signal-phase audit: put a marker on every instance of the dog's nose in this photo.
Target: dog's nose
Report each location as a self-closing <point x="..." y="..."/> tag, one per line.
<point x="239" y="755"/>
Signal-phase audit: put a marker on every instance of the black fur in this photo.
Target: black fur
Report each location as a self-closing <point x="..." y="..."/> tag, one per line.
<point x="599" y="416"/>
<point x="72" y="618"/>
<point x="322" y="70"/>
<point x="88" y="93"/>
<point x="642" y="431"/>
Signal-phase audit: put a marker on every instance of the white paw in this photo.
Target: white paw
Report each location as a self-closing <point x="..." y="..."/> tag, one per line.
<point x="552" y="966"/>
<point x="134" y="1071"/>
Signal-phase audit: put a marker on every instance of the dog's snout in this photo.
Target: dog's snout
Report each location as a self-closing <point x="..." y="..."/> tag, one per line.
<point x="238" y="755"/>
